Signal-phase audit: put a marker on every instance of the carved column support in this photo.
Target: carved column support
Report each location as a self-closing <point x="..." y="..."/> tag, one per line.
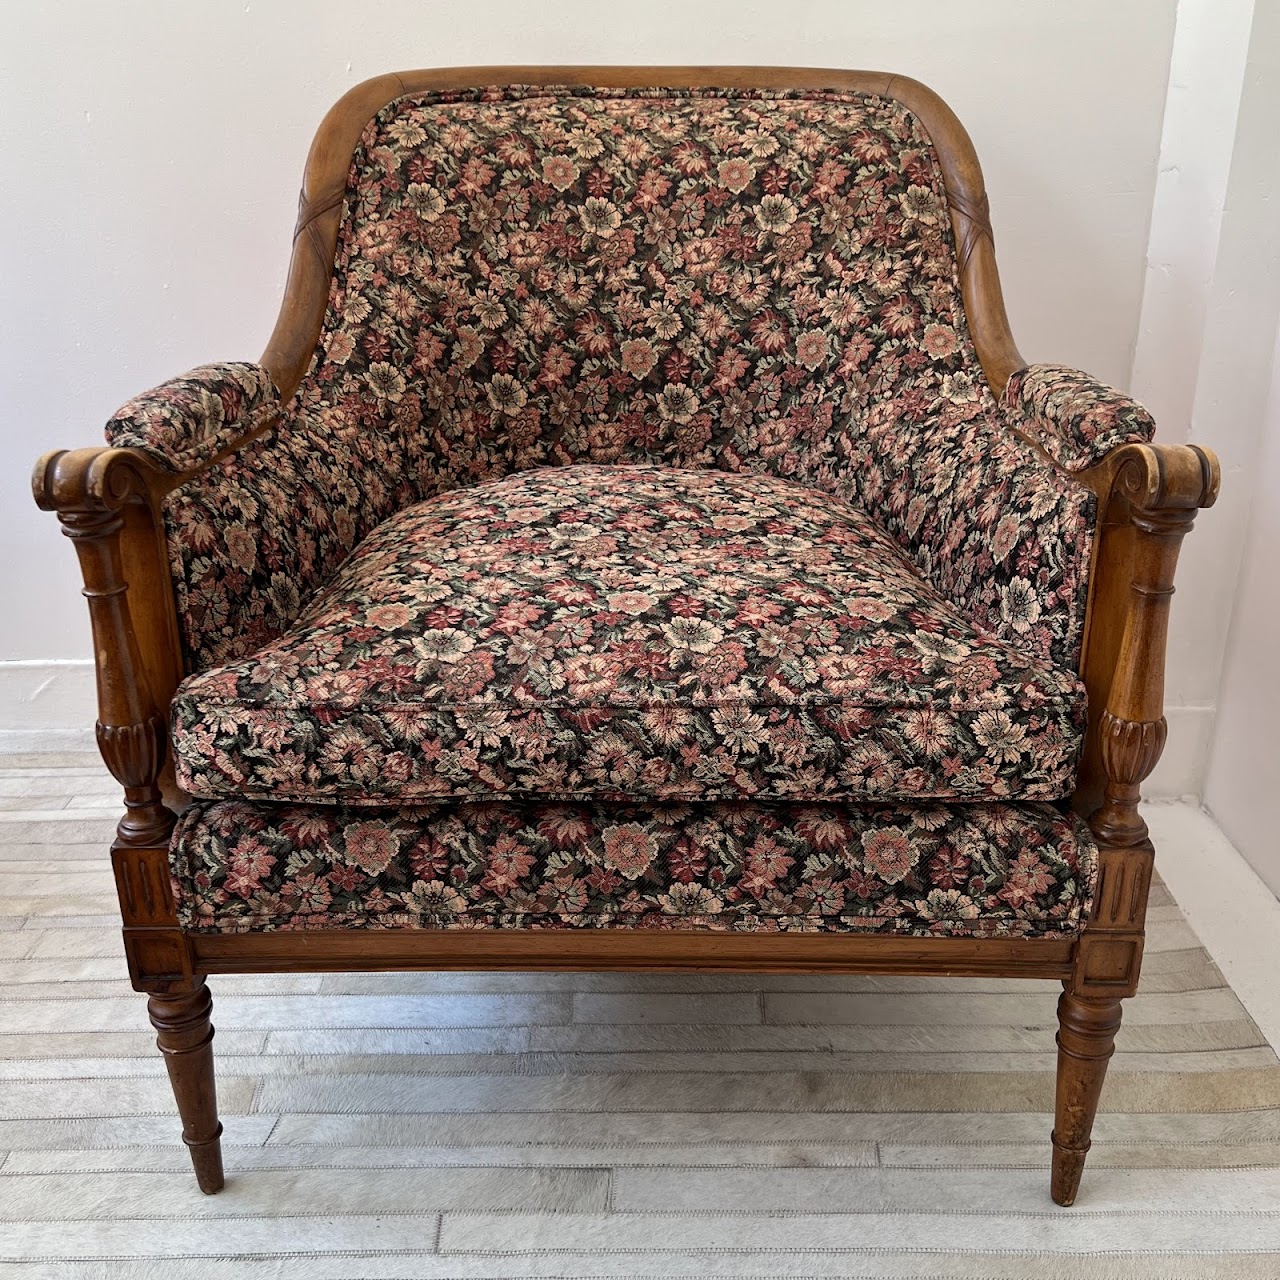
<point x="131" y="732"/>
<point x="1129" y="750"/>
<point x="1158" y="489"/>
<point x="1152" y="494"/>
<point x="105" y="500"/>
<point x="135" y="755"/>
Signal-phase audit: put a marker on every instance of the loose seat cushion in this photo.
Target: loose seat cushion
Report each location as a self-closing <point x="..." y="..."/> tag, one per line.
<point x="632" y="632"/>
<point x="979" y="870"/>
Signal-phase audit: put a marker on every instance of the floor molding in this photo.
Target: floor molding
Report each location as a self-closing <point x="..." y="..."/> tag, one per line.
<point x="1234" y="913"/>
<point x="47" y="705"/>
<point x="53" y="742"/>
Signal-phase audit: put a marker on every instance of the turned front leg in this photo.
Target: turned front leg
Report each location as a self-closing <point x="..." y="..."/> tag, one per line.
<point x="185" y="1037"/>
<point x="1086" y="1040"/>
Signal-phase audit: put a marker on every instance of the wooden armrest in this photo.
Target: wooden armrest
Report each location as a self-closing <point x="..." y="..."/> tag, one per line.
<point x="191" y="421"/>
<point x="1148" y="495"/>
<point x="1071" y="416"/>
<point x="108" y="503"/>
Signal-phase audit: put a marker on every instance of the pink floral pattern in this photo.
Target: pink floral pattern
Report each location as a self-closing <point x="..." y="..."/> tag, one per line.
<point x="252" y="538"/>
<point x="188" y="420"/>
<point x="982" y="870"/>
<point x="1073" y="417"/>
<point x="737" y="280"/>
<point x="630" y="632"/>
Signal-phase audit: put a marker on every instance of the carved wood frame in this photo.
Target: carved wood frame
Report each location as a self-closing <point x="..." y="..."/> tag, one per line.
<point x="109" y="503"/>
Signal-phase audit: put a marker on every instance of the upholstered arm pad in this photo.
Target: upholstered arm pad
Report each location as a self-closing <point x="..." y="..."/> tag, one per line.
<point x="191" y="419"/>
<point x="1074" y="418"/>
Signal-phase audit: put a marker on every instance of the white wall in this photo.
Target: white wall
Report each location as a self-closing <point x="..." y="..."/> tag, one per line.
<point x="1244" y="773"/>
<point x="1202" y="115"/>
<point x="1209" y="322"/>
<point x="152" y="152"/>
<point x="1225" y="647"/>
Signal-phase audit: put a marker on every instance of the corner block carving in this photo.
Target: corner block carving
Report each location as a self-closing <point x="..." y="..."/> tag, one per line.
<point x="159" y="959"/>
<point x="142" y="881"/>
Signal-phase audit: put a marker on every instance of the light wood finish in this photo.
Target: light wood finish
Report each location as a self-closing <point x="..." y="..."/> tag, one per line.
<point x="109" y="502"/>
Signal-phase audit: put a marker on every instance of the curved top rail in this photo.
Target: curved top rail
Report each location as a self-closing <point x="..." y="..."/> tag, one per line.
<point x="302" y="311"/>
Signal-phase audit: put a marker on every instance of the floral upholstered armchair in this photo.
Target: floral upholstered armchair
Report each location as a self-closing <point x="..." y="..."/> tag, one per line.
<point x="640" y="546"/>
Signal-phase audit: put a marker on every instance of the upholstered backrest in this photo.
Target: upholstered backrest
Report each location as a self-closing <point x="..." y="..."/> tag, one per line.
<point x="694" y="278"/>
<point x="739" y="279"/>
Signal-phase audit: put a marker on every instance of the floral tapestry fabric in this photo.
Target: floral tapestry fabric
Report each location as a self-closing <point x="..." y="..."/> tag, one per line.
<point x="1073" y="417"/>
<point x="731" y="280"/>
<point x="983" y="870"/>
<point x="251" y="538"/>
<point x="630" y="632"/>
<point x="190" y="419"/>
<point x="1007" y="539"/>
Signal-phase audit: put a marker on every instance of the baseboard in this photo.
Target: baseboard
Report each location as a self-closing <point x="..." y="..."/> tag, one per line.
<point x="61" y="742"/>
<point x="47" y="707"/>
<point x="1231" y="909"/>
<point x="47" y="710"/>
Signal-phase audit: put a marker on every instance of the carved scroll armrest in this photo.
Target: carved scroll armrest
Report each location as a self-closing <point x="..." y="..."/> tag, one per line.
<point x="1155" y="491"/>
<point x="1073" y="417"/>
<point x="189" y="421"/>
<point x="107" y="503"/>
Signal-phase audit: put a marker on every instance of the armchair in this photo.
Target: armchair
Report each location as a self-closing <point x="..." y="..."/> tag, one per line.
<point x="640" y="546"/>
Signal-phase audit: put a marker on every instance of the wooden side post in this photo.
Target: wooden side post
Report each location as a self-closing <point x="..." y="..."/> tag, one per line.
<point x="1155" y="492"/>
<point x="105" y="502"/>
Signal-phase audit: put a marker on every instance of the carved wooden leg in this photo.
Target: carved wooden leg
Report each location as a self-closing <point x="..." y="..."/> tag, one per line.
<point x="186" y="1040"/>
<point x="1086" y="1040"/>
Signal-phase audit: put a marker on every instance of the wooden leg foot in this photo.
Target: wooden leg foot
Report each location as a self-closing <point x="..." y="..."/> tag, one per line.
<point x="1067" y="1168"/>
<point x="1086" y="1040"/>
<point x="185" y="1037"/>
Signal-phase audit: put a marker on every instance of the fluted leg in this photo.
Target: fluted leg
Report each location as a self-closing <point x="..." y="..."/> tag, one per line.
<point x="1086" y="1040"/>
<point x="185" y="1037"/>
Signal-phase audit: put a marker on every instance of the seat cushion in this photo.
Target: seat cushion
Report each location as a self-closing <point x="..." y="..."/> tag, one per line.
<point x="980" y="870"/>
<point x="627" y="633"/>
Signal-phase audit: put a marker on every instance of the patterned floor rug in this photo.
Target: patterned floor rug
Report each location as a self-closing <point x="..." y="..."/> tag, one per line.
<point x="543" y="1125"/>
